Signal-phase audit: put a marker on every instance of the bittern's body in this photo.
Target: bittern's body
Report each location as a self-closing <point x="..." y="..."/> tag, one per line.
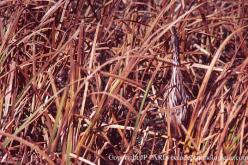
<point x="176" y="95"/>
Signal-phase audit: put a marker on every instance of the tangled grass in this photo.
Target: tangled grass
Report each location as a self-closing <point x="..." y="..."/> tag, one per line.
<point x="82" y="81"/>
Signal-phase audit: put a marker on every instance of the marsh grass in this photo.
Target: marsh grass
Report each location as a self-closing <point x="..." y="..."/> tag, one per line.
<point x="83" y="81"/>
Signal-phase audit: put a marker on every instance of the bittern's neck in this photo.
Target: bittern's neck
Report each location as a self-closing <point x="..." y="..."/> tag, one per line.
<point x="175" y="47"/>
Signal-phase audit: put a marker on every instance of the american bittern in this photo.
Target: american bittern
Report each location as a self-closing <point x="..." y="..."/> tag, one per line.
<point x="176" y="95"/>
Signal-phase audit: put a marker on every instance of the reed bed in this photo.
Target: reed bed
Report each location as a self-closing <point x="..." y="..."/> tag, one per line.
<point x="83" y="81"/>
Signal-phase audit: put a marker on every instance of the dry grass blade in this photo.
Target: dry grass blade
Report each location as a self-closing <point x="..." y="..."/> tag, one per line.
<point x="207" y="77"/>
<point x="52" y="10"/>
<point x="31" y="145"/>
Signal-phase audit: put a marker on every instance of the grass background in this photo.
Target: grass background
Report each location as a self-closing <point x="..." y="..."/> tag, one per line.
<point x="82" y="81"/>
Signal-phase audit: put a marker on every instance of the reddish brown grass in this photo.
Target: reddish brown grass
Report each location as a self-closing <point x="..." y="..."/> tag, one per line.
<point x="83" y="81"/>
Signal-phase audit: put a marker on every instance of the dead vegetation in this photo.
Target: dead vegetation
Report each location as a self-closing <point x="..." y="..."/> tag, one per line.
<point x="83" y="81"/>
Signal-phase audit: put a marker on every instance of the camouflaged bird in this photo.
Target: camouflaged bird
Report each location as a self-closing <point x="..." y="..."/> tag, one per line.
<point x="176" y="94"/>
